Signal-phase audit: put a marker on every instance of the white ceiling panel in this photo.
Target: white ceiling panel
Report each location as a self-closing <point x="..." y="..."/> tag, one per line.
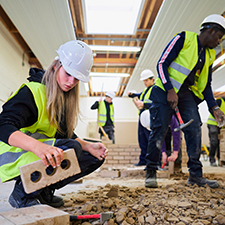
<point x="174" y="16"/>
<point x="44" y="25"/>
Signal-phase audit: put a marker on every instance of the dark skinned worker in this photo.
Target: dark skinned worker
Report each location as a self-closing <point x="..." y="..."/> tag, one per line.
<point x="184" y="80"/>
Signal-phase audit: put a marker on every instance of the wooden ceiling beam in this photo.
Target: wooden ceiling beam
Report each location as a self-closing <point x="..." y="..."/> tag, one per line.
<point x="113" y="62"/>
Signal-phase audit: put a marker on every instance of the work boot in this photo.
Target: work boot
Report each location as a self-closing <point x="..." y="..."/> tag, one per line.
<point x="201" y="181"/>
<point x="140" y="164"/>
<point x="19" y="199"/>
<point x="150" y="179"/>
<point x="47" y="197"/>
<point x="213" y="164"/>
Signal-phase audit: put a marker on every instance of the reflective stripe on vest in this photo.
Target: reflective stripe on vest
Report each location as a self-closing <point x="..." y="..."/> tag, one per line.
<point x="211" y="120"/>
<point x="181" y="67"/>
<point x="145" y="99"/>
<point x="11" y="157"/>
<point x="102" y="113"/>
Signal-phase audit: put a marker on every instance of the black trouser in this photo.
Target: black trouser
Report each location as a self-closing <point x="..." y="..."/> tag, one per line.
<point x="214" y="142"/>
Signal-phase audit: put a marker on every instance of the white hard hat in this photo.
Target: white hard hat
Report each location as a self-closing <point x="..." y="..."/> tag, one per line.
<point x="145" y="119"/>
<point x="214" y="18"/>
<point x="110" y="94"/>
<point x="145" y="74"/>
<point x="77" y="59"/>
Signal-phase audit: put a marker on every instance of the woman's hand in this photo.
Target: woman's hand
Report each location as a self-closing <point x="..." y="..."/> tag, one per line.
<point x="49" y="155"/>
<point x="98" y="150"/>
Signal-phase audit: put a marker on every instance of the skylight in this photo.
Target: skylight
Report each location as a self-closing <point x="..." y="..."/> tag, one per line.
<point x="105" y="84"/>
<point x="112" y="16"/>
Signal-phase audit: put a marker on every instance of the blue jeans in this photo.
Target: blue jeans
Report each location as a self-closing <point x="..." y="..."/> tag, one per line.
<point x="160" y="117"/>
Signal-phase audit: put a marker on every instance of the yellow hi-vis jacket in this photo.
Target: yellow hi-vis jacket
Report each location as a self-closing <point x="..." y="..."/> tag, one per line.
<point x="11" y="158"/>
<point x="211" y="119"/>
<point x="102" y="113"/>
<point x="186" y="60"/>
<point x="146" y="98"/>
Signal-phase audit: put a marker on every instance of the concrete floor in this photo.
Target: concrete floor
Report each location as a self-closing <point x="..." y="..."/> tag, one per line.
<point x="89" y="183"/>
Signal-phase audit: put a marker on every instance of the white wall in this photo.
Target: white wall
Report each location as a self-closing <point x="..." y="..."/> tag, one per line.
<point x="124" y="111"/>
<point x="12" y="73"/>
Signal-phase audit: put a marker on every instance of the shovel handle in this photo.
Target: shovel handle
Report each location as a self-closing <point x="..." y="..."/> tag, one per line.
<point x="178" y="115"/>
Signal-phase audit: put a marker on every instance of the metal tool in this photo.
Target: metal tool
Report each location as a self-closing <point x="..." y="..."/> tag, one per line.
<point x="181" y="123"/>
<point x="102" y="216"/>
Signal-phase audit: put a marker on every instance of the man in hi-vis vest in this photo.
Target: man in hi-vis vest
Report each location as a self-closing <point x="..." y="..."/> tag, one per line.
<point x="184" y="80"/>
<point x="214" y="131"/>
<point x="143" y="103"/>
<point x="106" y="115"/>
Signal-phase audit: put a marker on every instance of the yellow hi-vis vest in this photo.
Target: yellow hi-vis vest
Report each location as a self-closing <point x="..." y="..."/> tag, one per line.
<point x="146" y="98"/>
<point x="11" y="158"/>
<point x="211" y="119"/>
<point x="181" y="67"/>
<point x="102" y="113"/>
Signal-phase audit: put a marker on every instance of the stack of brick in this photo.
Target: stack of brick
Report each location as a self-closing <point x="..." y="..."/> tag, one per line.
<point x="122" y="155"/>
<point x="222" y="147"/>
<point x="38" y="214"/>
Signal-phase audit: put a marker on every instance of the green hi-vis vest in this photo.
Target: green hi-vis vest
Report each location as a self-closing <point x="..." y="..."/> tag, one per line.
<point x="146" y="98"/>
<point x="102" y="113"/>
<point x="211" y="120"/>
<point x="181" y="67"/>
<point x="11" y="158"/>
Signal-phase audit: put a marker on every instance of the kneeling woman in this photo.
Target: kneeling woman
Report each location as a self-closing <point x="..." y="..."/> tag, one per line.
<point x="38" y="120"/>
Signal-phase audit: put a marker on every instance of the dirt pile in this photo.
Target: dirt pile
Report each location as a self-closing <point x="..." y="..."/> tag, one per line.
<point x="178" y="203"/>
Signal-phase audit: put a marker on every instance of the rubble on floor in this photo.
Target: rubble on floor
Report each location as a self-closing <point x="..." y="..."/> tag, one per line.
<point x="176" y="203"/>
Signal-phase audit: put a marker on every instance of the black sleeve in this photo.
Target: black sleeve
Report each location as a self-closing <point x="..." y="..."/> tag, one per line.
<point x="218" y="101"/>
<point x="95" y="105"/>
<point x="20" y="111"/>
<point x="132" y="95"/>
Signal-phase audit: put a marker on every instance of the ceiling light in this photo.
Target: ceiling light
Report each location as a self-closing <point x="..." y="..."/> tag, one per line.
<point x="96" y="74"/>
<point x="115" y="48"/>
<point x="118" y="17"/>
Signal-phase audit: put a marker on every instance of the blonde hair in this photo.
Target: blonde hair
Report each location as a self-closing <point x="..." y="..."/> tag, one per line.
<point x="61" y="106"/>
